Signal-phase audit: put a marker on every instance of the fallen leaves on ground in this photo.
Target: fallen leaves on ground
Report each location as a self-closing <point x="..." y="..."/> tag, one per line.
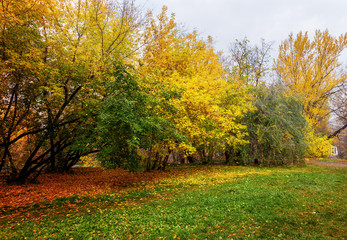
<point x="31" y="201"/>
<point x="83" y="181"/>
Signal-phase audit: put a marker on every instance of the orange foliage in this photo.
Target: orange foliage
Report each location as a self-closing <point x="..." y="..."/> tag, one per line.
<point x="84" y="181"/>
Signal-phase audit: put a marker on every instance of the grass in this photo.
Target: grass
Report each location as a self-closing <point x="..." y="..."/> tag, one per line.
<point x="211" y="203"/>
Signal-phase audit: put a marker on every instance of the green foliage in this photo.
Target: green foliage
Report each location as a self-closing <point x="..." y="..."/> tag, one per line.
<point x="276" y="130"/>
<point x="126" y="122"/>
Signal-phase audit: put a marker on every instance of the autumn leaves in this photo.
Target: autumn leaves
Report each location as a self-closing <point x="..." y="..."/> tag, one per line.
<point x="310" y="69"/>
<point x="185" y="64"/>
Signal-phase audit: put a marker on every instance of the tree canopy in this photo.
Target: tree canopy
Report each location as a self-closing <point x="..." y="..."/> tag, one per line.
<point x="82" y="77"/>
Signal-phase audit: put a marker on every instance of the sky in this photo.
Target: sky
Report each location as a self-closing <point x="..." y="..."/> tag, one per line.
<point x="271" y="20"/>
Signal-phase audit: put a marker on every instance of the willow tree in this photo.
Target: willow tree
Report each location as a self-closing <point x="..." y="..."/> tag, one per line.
<point x="276" y="130"/>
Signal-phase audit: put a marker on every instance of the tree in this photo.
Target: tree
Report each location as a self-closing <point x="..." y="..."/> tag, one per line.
<point x="51" y="72"/>
<point x="310" y="69"/>
<point x="185" y="72"/>
<point x="276" y="130"/>
<point x="338" y="121"/>
<point x="21" y="48"/>
<point x="126" y="123"/>
<point x="248" y="65"/>
<point x="249" y="62"/>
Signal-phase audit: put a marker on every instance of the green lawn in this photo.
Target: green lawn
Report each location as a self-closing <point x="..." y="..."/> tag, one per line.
<point x="212" y="203"/>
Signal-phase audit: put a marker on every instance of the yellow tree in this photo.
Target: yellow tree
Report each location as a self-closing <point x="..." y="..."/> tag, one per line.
<point x="20" y="67"/>
<point x="310" y="69"/>
<point x="85" y="41"/>
<point x="211" y="106"/>
<point x="57" y="56"/>
<point x="189" y="67"/>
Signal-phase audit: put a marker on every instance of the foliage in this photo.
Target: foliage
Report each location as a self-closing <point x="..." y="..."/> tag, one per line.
<point x="89" y="161"/>
<point x="21" y="66"/>
<point x="81" y="77"/>
<point x="126" y="122"/>
<point x="310" y="69"/>
<point x="249" y="63"/>
<point x="75" y="90"/>
<point x="318" y="145"/>
<point x="50" y="72"/>
<point x="276" y="130"/>
<point x="207" y="104"/>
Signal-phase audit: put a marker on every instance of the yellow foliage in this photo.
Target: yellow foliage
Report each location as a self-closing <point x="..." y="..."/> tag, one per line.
<point x="310" y="70"/>
<point x="318" y="146"/>
<point x="89" y="161"/>
<point x="185" y="64"/>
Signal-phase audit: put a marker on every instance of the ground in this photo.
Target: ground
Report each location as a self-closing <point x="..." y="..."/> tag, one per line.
<point x="328" y="163"/>
<point x="185" y="202"/>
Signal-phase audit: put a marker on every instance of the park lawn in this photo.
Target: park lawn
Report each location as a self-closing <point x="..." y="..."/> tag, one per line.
<point x="211" y="202"/>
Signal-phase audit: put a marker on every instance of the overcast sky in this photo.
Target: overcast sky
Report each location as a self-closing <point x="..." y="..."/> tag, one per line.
<point x="273" y="20"/>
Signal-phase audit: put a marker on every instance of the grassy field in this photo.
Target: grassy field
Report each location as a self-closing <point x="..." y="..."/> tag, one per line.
<point x="208" y="202"/>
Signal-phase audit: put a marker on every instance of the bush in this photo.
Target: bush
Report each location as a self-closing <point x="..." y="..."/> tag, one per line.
<point x="318" y="145"/>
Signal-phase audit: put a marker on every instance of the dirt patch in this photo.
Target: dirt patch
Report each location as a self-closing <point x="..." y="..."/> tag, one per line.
<point x="328" y="164"/>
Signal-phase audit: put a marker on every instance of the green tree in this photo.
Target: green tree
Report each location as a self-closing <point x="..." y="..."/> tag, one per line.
<point x="126" y="122"/>
<point x="276" y="130"/>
